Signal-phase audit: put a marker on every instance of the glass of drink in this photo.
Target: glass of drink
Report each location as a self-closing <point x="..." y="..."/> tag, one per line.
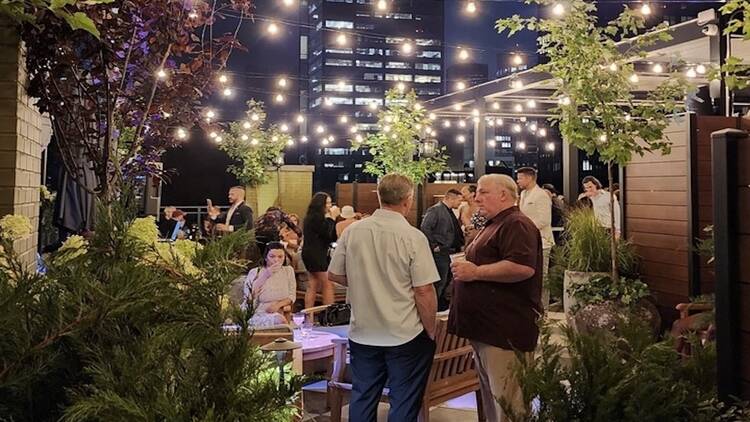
<point x="307" y="327"/>
<point x="458" y="257"/>
<point x="298" y="319"/>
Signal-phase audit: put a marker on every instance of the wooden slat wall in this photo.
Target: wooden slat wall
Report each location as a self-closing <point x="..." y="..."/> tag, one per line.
<point x="656" y="203"/>
<point x="743" y="192"/>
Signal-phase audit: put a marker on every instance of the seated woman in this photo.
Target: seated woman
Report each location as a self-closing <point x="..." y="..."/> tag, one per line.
<point x="270" y="287"/>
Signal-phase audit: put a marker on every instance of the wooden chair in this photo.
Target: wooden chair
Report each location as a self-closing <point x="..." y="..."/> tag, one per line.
<point x="452" y="374"/>
<point x="694" y="318"/>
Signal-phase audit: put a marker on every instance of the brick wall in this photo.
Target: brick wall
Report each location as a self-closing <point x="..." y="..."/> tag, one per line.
<point x="20" y="141"/>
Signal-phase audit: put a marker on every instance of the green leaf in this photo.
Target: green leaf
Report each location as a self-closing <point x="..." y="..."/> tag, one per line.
<point x="80" y="20"/>
<point x="59" y="4"/>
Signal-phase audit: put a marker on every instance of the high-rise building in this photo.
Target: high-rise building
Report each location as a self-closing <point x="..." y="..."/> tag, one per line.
<point x="355" y="51"/>
<point x="469" y="74"/>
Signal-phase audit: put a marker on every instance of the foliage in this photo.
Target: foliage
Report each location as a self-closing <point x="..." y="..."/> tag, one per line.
<point x="14" y="227"/>
<point x="735" y="70"/>
<point x="602" y="289"/>
<point x="255" y="146"/>
<point x="587" y="246"/>
<point x="403" y="124"/>
<point x="22" y="11"/>
<point x="96" y="88"/>
<point x="555" y="280"/>
<point x="47" y="229"/>
<point x="705" y="246"/>
<point x="107" y="334"/>
<point x="630" y="377"/>
<point x="598" y="111"/>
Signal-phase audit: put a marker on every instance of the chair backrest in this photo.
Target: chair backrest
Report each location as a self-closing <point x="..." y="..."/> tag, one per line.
<point x="453" y="356"/>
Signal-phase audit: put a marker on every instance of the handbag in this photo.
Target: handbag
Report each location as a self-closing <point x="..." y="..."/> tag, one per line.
<point x="335" y="314"/>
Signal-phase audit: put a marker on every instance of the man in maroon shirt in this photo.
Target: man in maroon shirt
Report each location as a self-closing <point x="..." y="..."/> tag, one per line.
<point x="497" y="293"/>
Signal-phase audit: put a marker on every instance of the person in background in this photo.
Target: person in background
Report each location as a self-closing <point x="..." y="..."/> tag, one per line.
<point x="444" y="234"/>
<point x="616" y="190"/>
<point x="319" y="232"/>
<point x="349" y="217"/>
<point x="180" y="229"/>
<point x="388" y="269"/>
<point x="166" y="224"/>
<point x="268" y="227"/>
<point x="470" y="219"/>
<point x="239" y="215"/>
<point x="294" y="218"/>
<point x="536" y="204"/>
<point x="558" y="205"/>
<point x="497" y="294"/>
<point x="270" y="287"/>
<point x="600" y="199"/>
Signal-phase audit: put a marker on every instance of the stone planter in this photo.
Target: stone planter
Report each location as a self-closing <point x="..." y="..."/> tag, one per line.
<point x="572" y="278"/>
<point x="610" y="315"/>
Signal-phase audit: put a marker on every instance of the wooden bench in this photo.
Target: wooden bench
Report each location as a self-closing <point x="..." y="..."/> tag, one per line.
<point x="452" y="374"/>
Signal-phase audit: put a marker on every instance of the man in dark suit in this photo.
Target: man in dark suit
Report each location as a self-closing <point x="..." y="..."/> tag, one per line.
<point x="239" y="215"/>
<point x="444" y="233"/>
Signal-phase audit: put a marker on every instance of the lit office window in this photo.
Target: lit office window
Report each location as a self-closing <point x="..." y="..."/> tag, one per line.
<point x="365" y="26"/>
<point x="368" y="88"/>
<point x="367" y="101"/>
<point x="397" y="77"/>
<point x="428" y="91"/>
<point x="423" y="41"/>
<point x="303" y="47"/>
<point x="339" y="88"/>
<point x="340" y="100"/>
<point x="426" y="79"/>
<point x="427" y="66"/>
<point x="339" y="50"/>
<point x="370" y="51"/>
<point x="397" y="65"/>
<point x="402" y="16"/>
<point x="429" y="54"/>
<point x="369" y="63"/>
<point x="394" y="40"/>
<point x="338" y="62"/>
<point x="339" y="24"/>
<point x="372" y="76"/>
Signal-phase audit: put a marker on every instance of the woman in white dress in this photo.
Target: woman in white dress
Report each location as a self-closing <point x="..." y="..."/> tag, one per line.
<point x="270" y="287"/>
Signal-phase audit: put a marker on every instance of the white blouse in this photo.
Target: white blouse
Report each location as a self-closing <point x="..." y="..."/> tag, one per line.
<point x="281" y="285"/>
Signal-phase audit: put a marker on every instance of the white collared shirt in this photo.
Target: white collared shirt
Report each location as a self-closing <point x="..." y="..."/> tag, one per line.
<point x="384" y="258"/>
<point x="600" y="203"/>
<point x="536" y="204"/>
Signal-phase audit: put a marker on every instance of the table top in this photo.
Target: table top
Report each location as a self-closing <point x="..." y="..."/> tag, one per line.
<point x="317" y="341"/>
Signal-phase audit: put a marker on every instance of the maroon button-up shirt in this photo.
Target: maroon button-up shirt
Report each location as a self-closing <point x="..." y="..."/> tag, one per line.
<point x="501" y="314"/>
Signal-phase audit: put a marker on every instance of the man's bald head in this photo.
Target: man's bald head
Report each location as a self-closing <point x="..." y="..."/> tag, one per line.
<point x="495" y="193"/>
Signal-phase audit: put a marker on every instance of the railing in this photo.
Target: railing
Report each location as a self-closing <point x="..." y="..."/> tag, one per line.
<point x="193" y="213"/>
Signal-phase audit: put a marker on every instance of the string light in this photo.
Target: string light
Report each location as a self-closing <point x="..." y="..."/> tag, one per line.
<point x="475" y="112"/>
<point x="517" y="59"/>
<point x="462" y="123"/>
<point x="401" y="86"/>
<point x="344" y="119"/>
<point x="463" y="54"/>
<point x="701" y="69"/>
<point x="359" y="138"/>
<point x="327" y="102"/>
<point x="603" y="138"/>
<point x="227" y="92"/>
<point x="533" y="127"/>
<point x="341" y="39"/>
<point x="279" y="98"/>
<point x="471" y="7"/>
<point x="210" y="114"/>
<point x="518" y="108"/>
<point x="181" y="133"/>
<point x="303" y="139"/>
<point x="521" y="145"/>
<point x="254" y="142"/>
<point x="320" y="129"/>
<point x="325" y="142"/>
<point x="223" y="78"/>
<point x="550" y="146"/>
<point x="460" y="85"/>
<point x="657" y="68"/>
<point x="496" y="106"/>
<point x="645" y="9"/>
<point x="382" y="5"/>
<point x="457" y="107"/>
<point x="542" y="132"/>
<point x="499" y="122"/>
<point x="193" y="14"/>
<point x="300" y="118"/>
<point x="284" y="127"/>
<point x="254" y="117"/>
<point x="516" y="84"/>
<point x="407" y="48"/>
<point x="272" y="28"/>
<point x="558" y="9"/>
<point x="246" y="125"/>
<point x="634" y="78"/>
<point x="491" y="122"/>
<point x="433" y="133"/>
<point x="282" y="82"/>
<point x="244" y="137"/>
<point x="417" y="106"/>
<point x="461" y="139"/>
<point x="613" y="67"/>
<point x="432" y="116"/>
<point x="446" y="123"/>
<point x="691" y="73"/>
<point x="517" y="128"/>
<point x="161" y="74"/>
<point x="531" y="104"/>
<point x="373" y="105"/>
<point x="290" y="142"/>
<point x="492" y="143"/>
<point x="288" y="2"/>
<point x="218" y="139"/>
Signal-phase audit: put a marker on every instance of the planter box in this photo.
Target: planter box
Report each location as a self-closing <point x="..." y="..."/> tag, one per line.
<point x="572" y="278"/>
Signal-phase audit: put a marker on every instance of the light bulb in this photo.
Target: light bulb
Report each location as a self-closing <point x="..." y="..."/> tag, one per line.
<point x="457" y="107"/>
<point x="628" y="117"/>
<point x="210" y="114"/>
<point x="282" y="82"/>
<point x="353" y="129"/>
<point x="461" y="123"/>
<point x="373" y="105"/>
<point x="161" y="74"/>
<point x="542" y="132"/>
<point x="284" y="127"/>
<point x="516" y="84"/>
<point x="463" y="54"/>
<point x="300" y="118"/>
<point x="432" y="116"/>
<point x="223" y="78"/>
<point x="613" y="67"/>
<point x="303" y="139"/>
<point x="491" y="122"/>
<point x="254" y="141"/>
<point x="476" y="119"/>
<point x="701" y="69"/>
<point x="401" y="86"/>
<point x="272" y="28"/>
<point x="475" y="112"/>
<point x="218" y="139"/>
<point x="518" y="108"/>
<point x="533" y="127"/>
<point x="254" y="117"/>
<point x="341" y="39"/>
<point x="288" y="2"/>
<point x="603" y="138"/>
<point x="359" y="138"/>
<point x="564" y="101"/>
<point x="550" y="146"/>
<point x="446" y="123"/>
<point x="325" y="142"/>
<point x="496" y="106"/>
<point x="658" y="68"/>
<point x="227" y="92"/>
<point x="517" y="59"/>
<point x="691" y="73"/>
<point x="499" y="122"/>
<point x="433" y="133"/>
<point x="320" y="129"/>
<point x="460" y="86"/>
<point x="461" y="139"/>
<point x="246" y="125"/>
<point x="344" y="119"/>
<point x="193" y="14"/>
<point x="407" y="48"/>
<point x="492" y="143"/>
<point x="244" y="137"/>
<point x="471" y="7"/>
<point x="517" y="128"/>
<point x="531" y="104"/>
<point x="167" y="115"/>
<point x="290" y="142"/>
<point x="382" y="5"/>
<point x="279" y="98"/>
<point x="181" y="133"/>
<point x="645" y="9"/>
<point x="521" y="145"/>
<point x="558" y="9"/>
<point x="633" y="78"/>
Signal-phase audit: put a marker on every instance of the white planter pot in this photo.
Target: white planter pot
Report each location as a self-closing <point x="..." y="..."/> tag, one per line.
<point x="572" y="278"/>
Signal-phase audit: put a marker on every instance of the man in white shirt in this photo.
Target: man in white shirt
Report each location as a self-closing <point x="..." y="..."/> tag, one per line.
<point x="536" y="204"/>
<point x="592" y="188"/>
<point x="388" y="268"/>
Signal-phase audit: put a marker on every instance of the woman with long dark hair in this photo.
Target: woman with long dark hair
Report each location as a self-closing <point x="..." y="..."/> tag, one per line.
<point x="270" y="287"/>
<point x="319" y="231"/>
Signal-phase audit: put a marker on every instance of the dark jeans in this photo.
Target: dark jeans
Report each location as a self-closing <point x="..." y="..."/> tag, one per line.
<point x="404" y="367"/>
<point x="442" y="287"/>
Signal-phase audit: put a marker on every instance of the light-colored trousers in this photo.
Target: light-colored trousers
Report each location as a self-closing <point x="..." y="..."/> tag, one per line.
<point x="497" y="380"/>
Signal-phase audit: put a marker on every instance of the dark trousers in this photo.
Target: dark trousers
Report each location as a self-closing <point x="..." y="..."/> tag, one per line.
<point x="404" y="367"/>
<point x="442" y="287"/>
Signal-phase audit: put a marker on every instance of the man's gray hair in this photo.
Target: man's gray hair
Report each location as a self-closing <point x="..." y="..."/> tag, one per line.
<point x="502" y="181"/>
<point x="394" y="189"/>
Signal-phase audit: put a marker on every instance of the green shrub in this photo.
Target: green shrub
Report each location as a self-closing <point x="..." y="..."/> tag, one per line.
<point x="601" y="289"/>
